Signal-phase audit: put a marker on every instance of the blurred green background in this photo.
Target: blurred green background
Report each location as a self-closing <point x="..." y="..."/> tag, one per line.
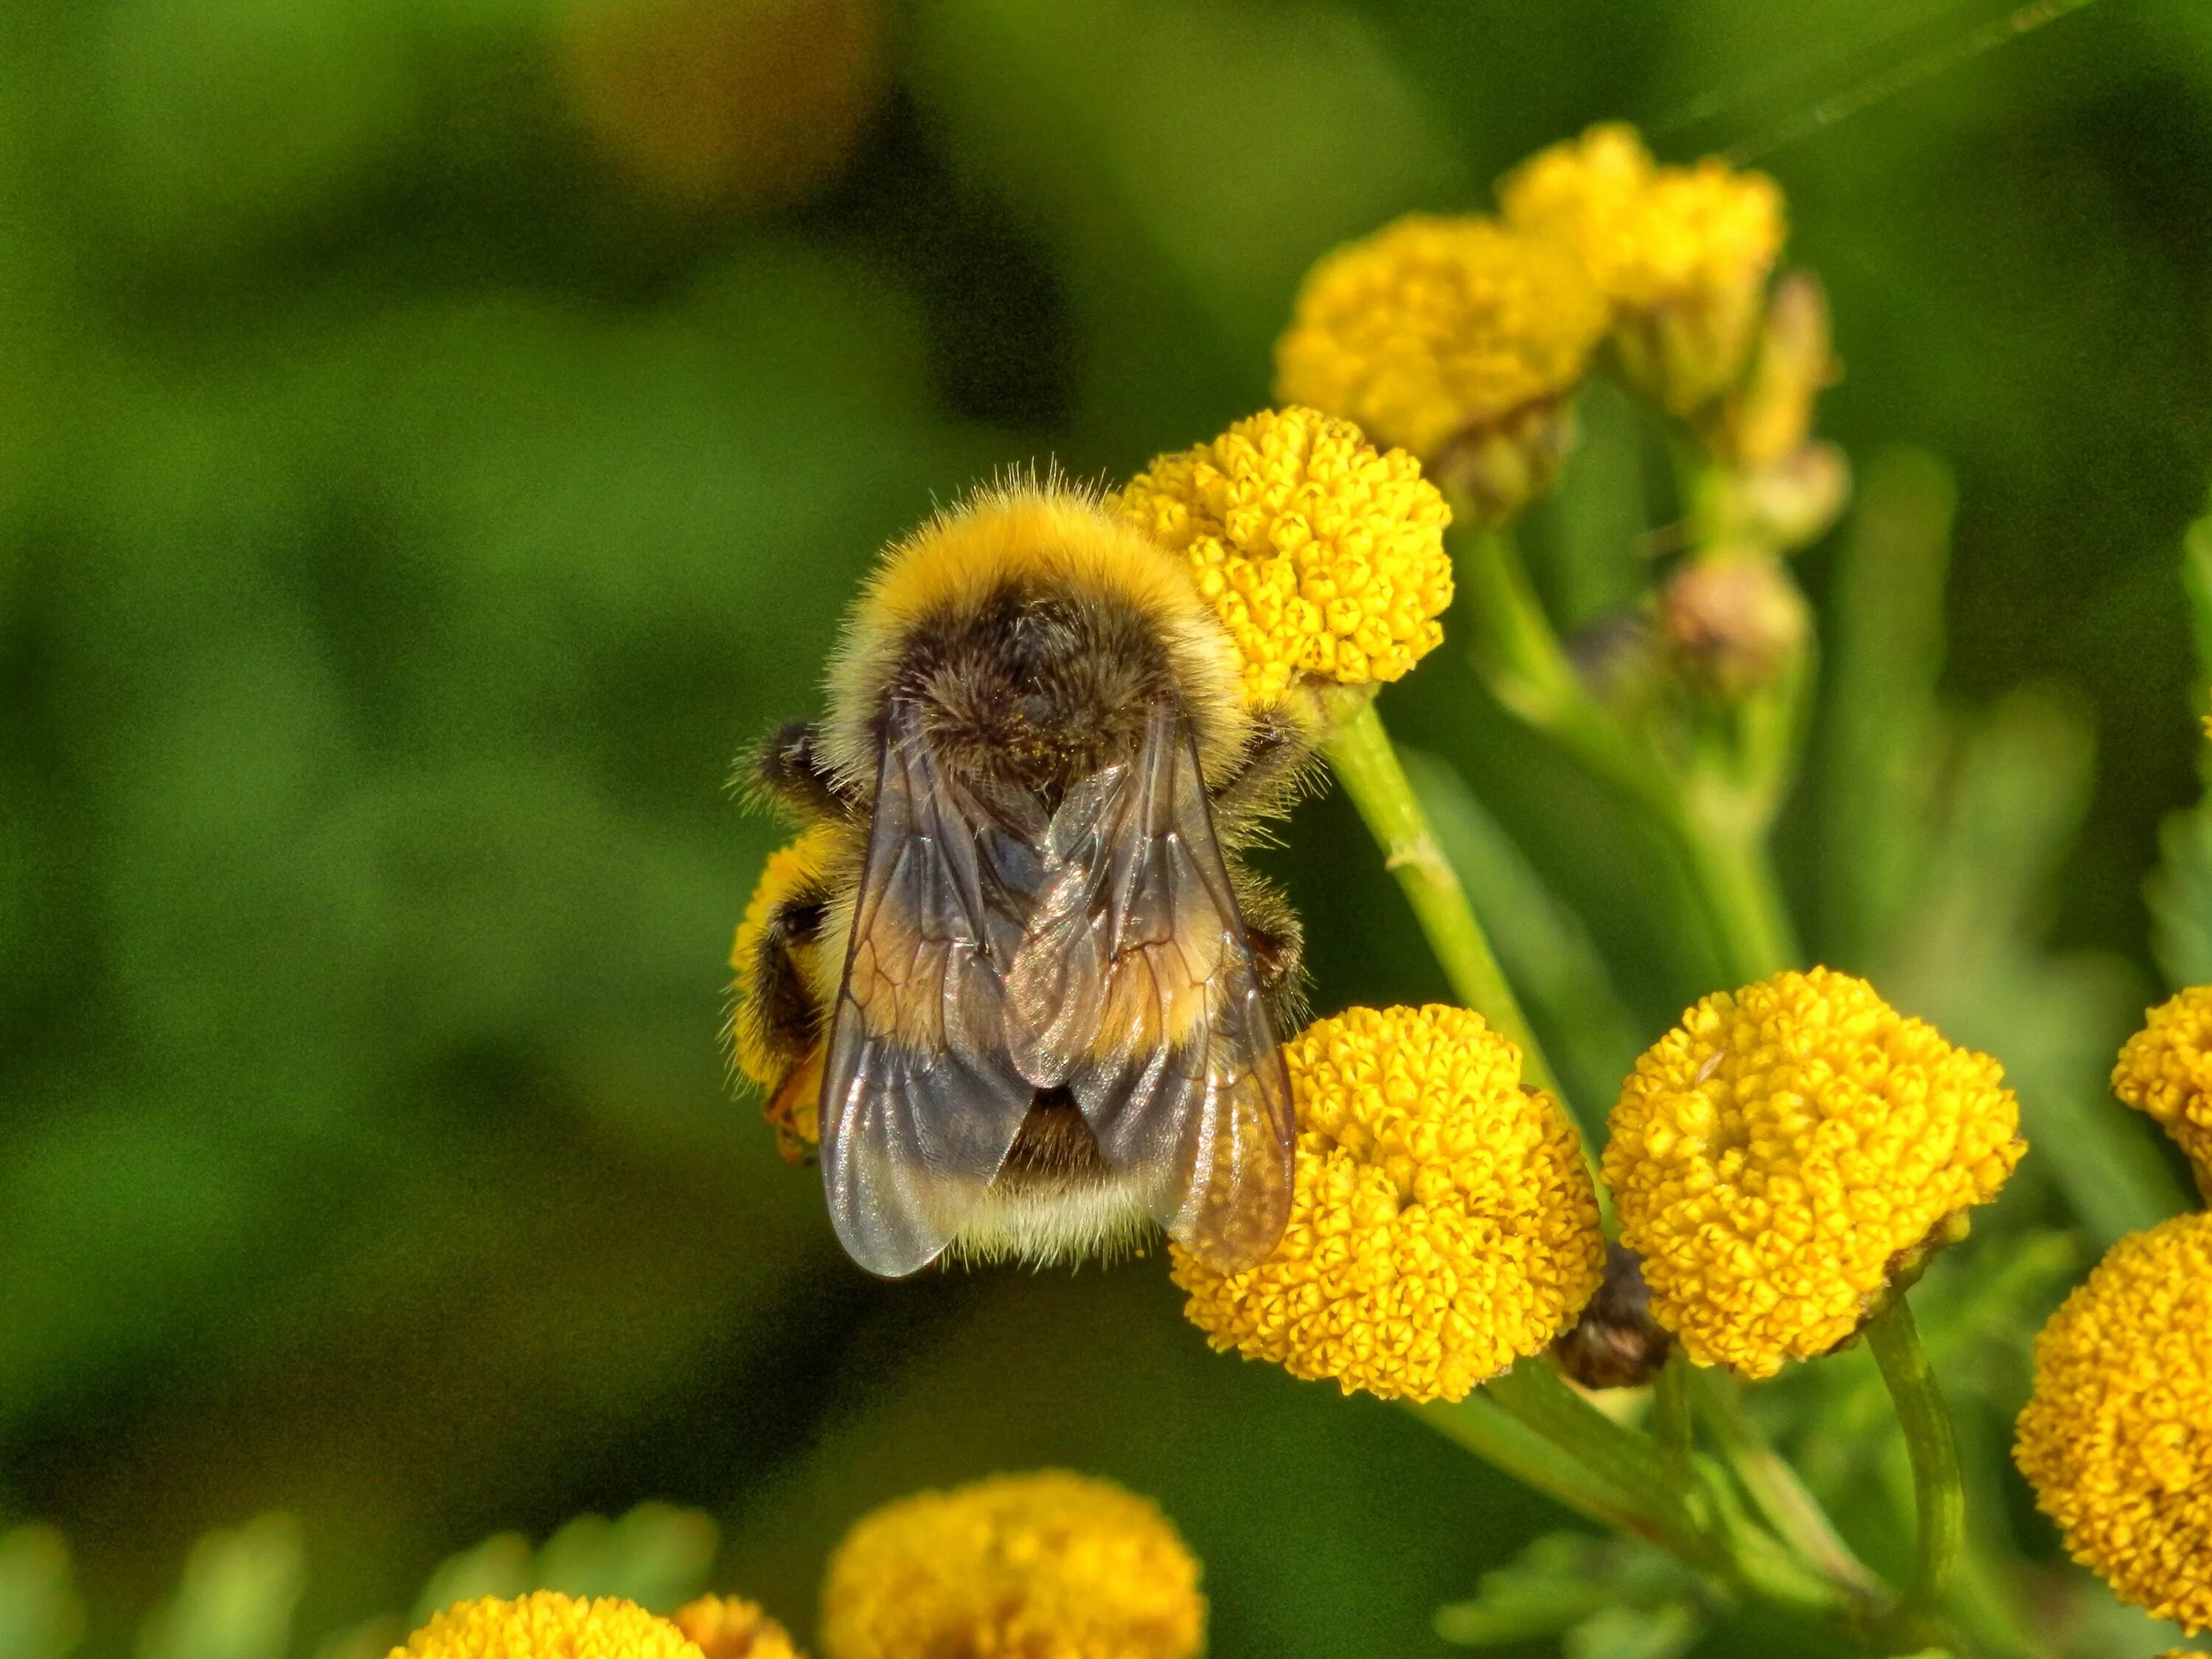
<point x="437" y="435"/>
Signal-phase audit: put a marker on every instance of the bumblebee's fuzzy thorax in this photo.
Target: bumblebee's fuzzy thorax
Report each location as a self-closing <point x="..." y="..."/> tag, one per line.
<point x="1034" y="631"/>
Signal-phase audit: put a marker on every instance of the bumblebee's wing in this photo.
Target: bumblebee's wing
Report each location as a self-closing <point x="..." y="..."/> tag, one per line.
<point x="920" y="1101"/>
<point x="1158" y="1022"/>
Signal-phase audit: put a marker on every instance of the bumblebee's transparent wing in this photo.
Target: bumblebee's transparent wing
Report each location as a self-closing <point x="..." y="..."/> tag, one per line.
<point x="920" y="1101"/>
<point x="1171" y="1056"/>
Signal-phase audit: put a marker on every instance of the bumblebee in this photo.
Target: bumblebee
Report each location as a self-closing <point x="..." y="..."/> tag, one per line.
<point x="1013" y="970"/>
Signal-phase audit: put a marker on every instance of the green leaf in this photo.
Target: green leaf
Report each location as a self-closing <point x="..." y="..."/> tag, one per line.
<point x="1601" y="1593"/>
<point x="2179" y="894"/>
<point x="656" y="1555"/>
<point x="236" y="1600"/>
<point x="2179" y="890"/>
<point x="1882" y="745"/>
<point x="1636" y="1633"/>
<point x="498" y="1566"/>
<point x="42" y="1615"/>
<point x="1966" y="957"/>
<point x="1543" y="946"/>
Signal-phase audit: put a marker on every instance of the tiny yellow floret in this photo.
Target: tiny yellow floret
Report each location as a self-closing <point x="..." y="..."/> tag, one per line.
<point x="731" y="1628"/>
<point x="1682" y="253"/>
<point x="1049" y="1565"/>
<point x="1434" y="325"/>
<point x="1321" y="556"/>
<point x="1779" y="1156"/>
<point x="2166" y="1071"/>
<point x="1443" y="1224"/>
<point x="547" y="1625"/>
<point x="2116" y="1435"/>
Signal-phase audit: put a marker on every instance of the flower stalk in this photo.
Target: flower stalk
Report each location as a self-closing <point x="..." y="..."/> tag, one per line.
<point x="1714" y="812"/>
<point x="1366" y="763"/>
<point x="1939" y="1492"/>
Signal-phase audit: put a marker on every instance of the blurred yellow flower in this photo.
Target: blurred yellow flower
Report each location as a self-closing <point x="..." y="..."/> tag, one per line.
<point x="1048" y="1565"/>
<point x="744" y="104"/>
<point x="731" y="1628"/>
<point x="1682" y="253"/>
<point x="1786" y="1150"/>
<point x="547" y="1625"/>
<point x="1452" y="337"/>
<point x="1322" y="557"/>
<point x="2116" y="1435"/>
<point x="2165" y="1070"/>
<point x="1443" y="1224"/>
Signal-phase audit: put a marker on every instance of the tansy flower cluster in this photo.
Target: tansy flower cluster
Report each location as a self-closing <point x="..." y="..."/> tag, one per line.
<point x="2166" y="1071"/>
<point x="1443" y="1224"/>
<point x="1434" y="326"/>
<point x="1042" y="1567"/>
<point x="2117" y="1437"/>
<point x="547" y="1625"/>
<point x="1682" y="254"/>
<point x="1049" y="1565"/>
<point x="1323" y="557"/>
<point x="1778" y="1156"/>
<point x="731" y="1628"/>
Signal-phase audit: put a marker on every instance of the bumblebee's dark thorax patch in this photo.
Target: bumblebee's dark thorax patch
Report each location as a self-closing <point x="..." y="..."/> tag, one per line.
<point x="1034" y="689"/>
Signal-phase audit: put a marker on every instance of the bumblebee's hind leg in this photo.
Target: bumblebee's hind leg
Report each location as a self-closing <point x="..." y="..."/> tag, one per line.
<point x="1272" y="928"/>
<point x="1273" y="771"/>
<point x="790" y="770"/>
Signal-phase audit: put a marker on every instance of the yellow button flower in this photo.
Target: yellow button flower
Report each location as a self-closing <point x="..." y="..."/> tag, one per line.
<point x="731" y="1628"/>
<point x="2165" y="1070"/>
<point x="2116" y="1435"/>
<point x="1443" y="1224"/>
<point x="1434" y="325"/>
<point x="1048" y="1565"/>
<point x="1781" y="1155"/>
<point x="1682" y="253"/>
<point x="547" y="1625"/>
<point x="1322" y="557"/>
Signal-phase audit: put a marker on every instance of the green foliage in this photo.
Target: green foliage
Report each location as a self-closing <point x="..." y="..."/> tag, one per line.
<point x="41" y="1614"/>
<point x="237" y="1598"/>
<point x="1605" y="1599"/>
<point x="402" y="526"/>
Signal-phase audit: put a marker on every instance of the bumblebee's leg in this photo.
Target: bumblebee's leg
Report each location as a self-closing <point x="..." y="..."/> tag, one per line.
<point x="1272" y="928"/>
<point x="1271" y="772"/>
<point x="779" y="1024"/>
<point x="790" y="767"/>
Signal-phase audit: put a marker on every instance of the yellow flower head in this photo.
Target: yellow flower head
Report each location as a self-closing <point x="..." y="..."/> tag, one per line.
<point x="1443" y="1224"/>
<point x="1784" y="1153"/>
<point x="1682" y="253"/>
<point x="731" y="1628"/>
<point x="1048" y="1565"/>
<point x="547" y="1625"/>
<point x="1322" y="557"/>
<point x="2165" y="1070"/>
<point x="1433" y="327"/>
<point x="2117" y="1437"/>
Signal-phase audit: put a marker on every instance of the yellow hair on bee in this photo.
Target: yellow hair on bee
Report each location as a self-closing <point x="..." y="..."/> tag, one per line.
<point x="1047" y="535"/>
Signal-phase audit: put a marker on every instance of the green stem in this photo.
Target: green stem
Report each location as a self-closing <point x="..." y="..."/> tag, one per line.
<point x="1939" y="1492"/>
<point x="1360" y="752"/>
<point x="1482" y="1427"/>
<point x="1520" y="657"/>
<point x="1671" y="1423"/>
<point x="1736" y="890"/>
<point x="1790" y="1508"/>
<point x="1533" y="1395"/>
